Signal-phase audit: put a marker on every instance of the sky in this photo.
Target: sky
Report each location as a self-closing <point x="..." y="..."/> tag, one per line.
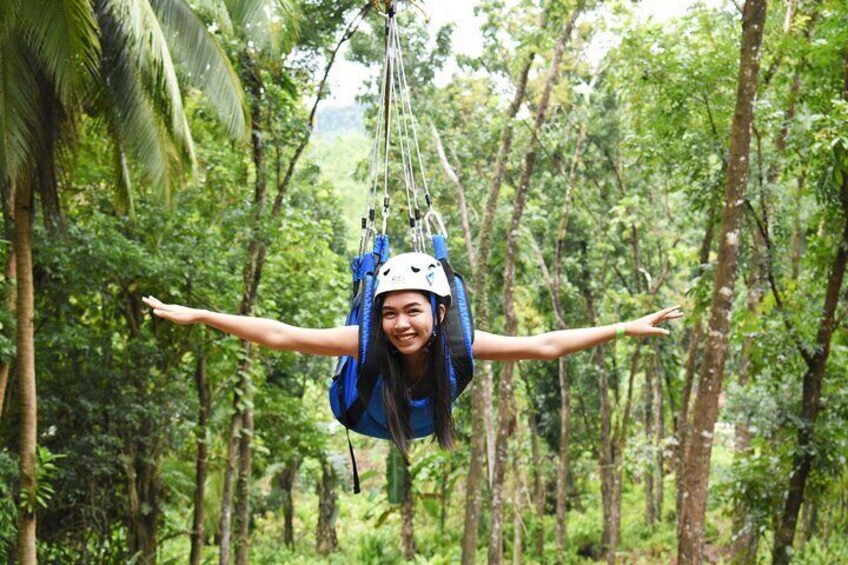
<point x="347" y="78"/>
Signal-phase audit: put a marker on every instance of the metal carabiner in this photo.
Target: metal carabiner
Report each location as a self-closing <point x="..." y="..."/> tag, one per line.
<point x="428" y="218"/>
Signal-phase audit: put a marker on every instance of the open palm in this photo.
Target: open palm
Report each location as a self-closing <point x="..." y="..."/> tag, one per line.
<point x="647" y="325"/>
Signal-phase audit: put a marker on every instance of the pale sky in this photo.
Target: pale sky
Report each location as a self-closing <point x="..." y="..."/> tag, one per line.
<point x="347" y="78"/>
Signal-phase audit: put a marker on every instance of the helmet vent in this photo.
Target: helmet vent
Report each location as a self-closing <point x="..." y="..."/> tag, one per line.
<point x="386" y="272"/>
<point x="415" y="269"/>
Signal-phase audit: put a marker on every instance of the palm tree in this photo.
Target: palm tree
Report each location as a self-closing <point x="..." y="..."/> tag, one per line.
<point x="114" y="59"/>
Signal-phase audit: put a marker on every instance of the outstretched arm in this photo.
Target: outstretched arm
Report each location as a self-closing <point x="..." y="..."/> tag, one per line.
<point x="552" y="345"/>
<point x="334" y="342"/>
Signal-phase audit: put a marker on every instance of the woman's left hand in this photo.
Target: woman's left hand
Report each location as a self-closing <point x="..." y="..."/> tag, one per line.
<point x="647" y="325"/>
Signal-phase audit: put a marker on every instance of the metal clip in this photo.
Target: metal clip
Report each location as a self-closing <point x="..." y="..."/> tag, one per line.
<point x="433" y="216"/>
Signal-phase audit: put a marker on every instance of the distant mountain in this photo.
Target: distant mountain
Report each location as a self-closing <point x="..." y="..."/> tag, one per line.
<point x="336" y="121"/>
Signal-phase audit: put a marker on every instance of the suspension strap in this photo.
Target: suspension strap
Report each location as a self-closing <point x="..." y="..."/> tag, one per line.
<point x="395" y="117"/>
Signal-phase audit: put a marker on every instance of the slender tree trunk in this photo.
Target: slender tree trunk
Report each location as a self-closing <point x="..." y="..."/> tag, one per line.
<point x="286" y="483"/>
<point x="697" y="462"/>
<point x="143" y="487"/>
<point x="480" y="400"/>
<point x="443" y="498"/>
<point x="538" y="483"/>
<point x="225" y="520"/>
<point x="505" y="391"/>
<point x="650" y="508"/>
<point x="241" y="424"/>
<point x="10" y="297"/>
<point x="682" y="423"/>
<point x="198" y="536"/>
<point x="614" y="468"/>
<point x="659" y="455"/>
<point x="243" y="484"/>
<point x="26" y="372"/>
<point x="606" y="454"/>
<point x="812" y="384"/>
<point x="562" y="364"/>
<point x="517" y="522"/>
<point x="744" y="545"/>
<point x="562" y="467"/>
<point x="796" y="227"/>
<point x="326" y="540"/>
<point x="407" y="511"/>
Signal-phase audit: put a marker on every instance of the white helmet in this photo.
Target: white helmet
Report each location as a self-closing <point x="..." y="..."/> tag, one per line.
<point x="413" y="271"/>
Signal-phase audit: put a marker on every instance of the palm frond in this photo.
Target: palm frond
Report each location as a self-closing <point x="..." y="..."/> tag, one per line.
<point x="63" y="37"/>
<point x="130" y="114"/>
<point x="19" y="106"/>
<point x="218" y="12"/>
<point x="204" y="60"/>
<point x="146" y="48"/>
<point x="271" y="25"/>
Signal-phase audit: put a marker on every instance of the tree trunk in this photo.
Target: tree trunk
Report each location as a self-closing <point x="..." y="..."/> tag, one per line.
<point x="650" y="508"/>
<point x="252" y="278"/>
<point x="562" y="467"/>
<point x="407" y="511"/>
<point x="606" y="454"/>
<point x="286" y="482"/>
<point x="225" y="520"/>
<point x="243" y="484"/>
<point x="143" y="493"/>
<point x="11" y="296"/>
<point x="197" y="534"/>
<point x="744" y="545"/>
<point x="505" y="416"/>
<point x="682" y="423"/>
<point x="697" y="463"/>
<point x="659" y="455"/>
<point x="812" y="384"/>
<point x="517" y="522"/>
<point x="26" y="372"/>
<point x="538" y="482"/>
<point x="479" y="386"/>
<point x="444" y="499"/>
<point x="326" y="541"/>
<point x="241" y="425"/>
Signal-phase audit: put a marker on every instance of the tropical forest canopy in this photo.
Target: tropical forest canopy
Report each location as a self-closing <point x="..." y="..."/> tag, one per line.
<point x="592" y="164"/>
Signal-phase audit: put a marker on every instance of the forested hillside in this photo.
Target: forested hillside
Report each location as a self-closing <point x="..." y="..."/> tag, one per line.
<point x="592" y="164"/>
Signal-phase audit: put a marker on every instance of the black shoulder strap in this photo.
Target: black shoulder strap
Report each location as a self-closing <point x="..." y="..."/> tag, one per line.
<point x="463" y="363"/>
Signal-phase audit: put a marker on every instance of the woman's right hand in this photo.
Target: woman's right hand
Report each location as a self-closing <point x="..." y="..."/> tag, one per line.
<point x="173" y="312"/>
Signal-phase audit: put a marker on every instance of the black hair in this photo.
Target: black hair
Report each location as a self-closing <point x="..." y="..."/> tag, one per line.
<point x="396" y="391"/>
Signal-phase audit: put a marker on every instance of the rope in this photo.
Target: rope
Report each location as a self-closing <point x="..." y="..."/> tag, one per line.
<point x="395" y="115"/>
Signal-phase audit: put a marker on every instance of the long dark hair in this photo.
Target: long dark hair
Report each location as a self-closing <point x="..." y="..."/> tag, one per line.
<point x="396" y="392"/>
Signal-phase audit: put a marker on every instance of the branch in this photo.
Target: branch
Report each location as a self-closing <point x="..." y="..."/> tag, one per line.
<point x="282" y="186"/>
<point x="546" y="275"/>
<point x="460" y="192"/>
<point x="778" y="300"/>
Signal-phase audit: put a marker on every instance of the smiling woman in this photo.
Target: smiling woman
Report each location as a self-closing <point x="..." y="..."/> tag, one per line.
<point x="408" y="353"/>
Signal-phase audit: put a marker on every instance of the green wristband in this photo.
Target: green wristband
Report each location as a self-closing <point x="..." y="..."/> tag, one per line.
<point x="620" y="332"/>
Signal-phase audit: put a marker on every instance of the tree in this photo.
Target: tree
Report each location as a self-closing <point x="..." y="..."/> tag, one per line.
<point x="697" y="459"/>
<point x="56" y="54"/>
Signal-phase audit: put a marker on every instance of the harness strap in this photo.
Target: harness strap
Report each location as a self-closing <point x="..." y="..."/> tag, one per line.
<point x="346" y="422"/>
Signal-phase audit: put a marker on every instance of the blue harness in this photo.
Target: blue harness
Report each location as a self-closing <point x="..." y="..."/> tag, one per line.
<point x="356" y="392"/>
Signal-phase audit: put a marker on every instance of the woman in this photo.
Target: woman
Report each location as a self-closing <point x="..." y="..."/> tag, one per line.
<point x="412" y="297"/>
